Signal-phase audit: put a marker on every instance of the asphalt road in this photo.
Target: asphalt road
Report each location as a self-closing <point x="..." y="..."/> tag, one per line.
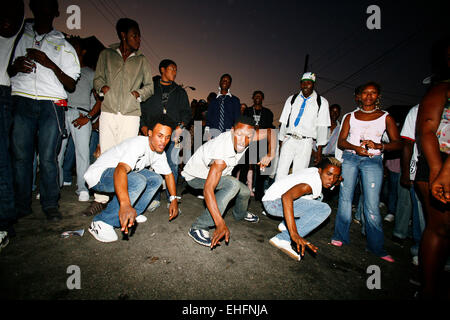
<point x="161" y="262"/>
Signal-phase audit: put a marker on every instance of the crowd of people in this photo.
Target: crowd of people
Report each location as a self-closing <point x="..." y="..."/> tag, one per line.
<point x="135" y="134"/>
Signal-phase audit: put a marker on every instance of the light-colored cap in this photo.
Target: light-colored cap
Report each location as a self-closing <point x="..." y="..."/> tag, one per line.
<point x="311" y="76"/>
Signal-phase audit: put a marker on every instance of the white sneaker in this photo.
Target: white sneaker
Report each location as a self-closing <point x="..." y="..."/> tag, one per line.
<point x="154" y="205"/>
<point x="285" y="246"/>
<point x="38" y="196"/>
<point x="141" y="218"/>
<point x="389" y="217"/>
<point x="84" y="196"/>
<point x="415" y="261"/>
<point x="66" y="184"/>
<point x="282" y="227"/>
<point x="102" y="231"/>
<point x="4" y="239"/>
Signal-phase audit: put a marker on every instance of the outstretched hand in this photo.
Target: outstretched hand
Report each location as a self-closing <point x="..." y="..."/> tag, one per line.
<point x="220" y="232"/>
<point x="302" y="244"/>
<point x="440" y="187"/>
<point x="127" y="217"/>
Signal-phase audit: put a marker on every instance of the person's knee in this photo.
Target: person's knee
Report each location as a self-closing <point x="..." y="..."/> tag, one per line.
<point x="324" y="211"/>
<point x="231" y="185"/>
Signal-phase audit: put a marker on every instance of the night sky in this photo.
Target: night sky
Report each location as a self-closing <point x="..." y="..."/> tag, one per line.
<point x="263" y="44"/>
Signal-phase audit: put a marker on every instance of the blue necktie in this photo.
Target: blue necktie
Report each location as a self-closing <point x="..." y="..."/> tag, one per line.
<point x="300" y="113"/>
<point x="222" y="114"/>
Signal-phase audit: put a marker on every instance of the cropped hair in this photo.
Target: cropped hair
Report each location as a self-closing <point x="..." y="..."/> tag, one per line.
<point x="124" y="25"/>
<point x="329" y="161"/>
<point x="245" y="120"/>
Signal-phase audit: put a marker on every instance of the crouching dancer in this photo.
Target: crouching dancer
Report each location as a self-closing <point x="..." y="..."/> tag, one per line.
<point x="210" y="169"/>
<point x="123" y="170"/>
<point x="293" y="198"/>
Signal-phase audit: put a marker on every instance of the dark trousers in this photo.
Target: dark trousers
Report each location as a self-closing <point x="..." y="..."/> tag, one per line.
<point x="41" y="122"/>
<point x="7" y="210"/>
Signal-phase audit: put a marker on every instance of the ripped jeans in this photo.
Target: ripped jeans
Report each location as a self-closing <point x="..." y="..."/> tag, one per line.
<point x="371" y="174"/>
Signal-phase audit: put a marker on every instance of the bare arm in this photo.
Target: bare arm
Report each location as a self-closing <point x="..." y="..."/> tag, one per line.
<point x="127" y="214"/>
<point x="288" y="210"/>
<point x="214" y="175"/>
<point x="171" y="186"/>
<point x="428" y="119"/>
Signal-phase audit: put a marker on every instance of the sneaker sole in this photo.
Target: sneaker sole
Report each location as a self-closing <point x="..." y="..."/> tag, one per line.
<point x="97" y="238"/>
<point x="281" y="229"/>
<point x="4" y="244"/>
<point x="290" y="254"/>
<point x="201" y="243"/>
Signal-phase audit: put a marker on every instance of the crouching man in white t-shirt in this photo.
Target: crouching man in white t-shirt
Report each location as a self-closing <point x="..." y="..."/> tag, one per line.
<point x="293" y="198"/>
<point x="210" y="169"/>
<point x="122" y="170"/>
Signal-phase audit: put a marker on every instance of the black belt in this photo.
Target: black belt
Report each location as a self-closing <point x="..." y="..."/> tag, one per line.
<point x="78" y="108"/>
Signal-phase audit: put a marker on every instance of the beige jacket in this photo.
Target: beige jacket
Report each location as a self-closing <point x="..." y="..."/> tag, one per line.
<point x="123" y="77"/>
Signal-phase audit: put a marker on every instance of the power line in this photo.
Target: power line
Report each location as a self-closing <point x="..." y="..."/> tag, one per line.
<point x="116" y="16"/>
<point x="351" y="85"/>
<point x="381" y="57"/>
<point x="143" y="38"/>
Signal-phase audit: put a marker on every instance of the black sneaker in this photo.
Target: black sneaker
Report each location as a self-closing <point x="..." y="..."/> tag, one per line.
<point x="53" y="214"/>
<point x="200" y="236"/>
<point x="4" y="239"/>
<point x="94" y="209"/>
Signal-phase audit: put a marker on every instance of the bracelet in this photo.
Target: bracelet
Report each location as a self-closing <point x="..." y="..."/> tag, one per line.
<point x="171" y="198"/>
<point x="382" y="147"/>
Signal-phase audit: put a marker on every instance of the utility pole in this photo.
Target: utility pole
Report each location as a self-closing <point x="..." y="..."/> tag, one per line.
<point x="306" y="63"/>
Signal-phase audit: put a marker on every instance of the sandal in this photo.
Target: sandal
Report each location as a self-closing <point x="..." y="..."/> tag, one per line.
<point x="388" y="258"/>
<point x="336" y="243"/>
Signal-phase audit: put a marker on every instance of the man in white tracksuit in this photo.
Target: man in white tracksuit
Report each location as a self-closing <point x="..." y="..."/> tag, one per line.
<point x="305" y="117"/>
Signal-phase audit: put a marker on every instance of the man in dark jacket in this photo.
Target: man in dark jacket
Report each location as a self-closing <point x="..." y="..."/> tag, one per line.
<point x="171" y="99"/>
<point x="224" y="110"/>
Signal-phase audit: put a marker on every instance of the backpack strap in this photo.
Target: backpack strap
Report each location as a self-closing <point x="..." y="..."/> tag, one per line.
<point x="319" y="103"/>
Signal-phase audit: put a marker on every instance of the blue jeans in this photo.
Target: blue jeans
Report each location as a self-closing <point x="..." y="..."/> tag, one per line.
<point x="93" y="142"/>
<point x="69" y="160"/>
<point x="173" y="160"/>
<point x="309" y="214"/>
<point x="371" y="173"/>
<point x="142" y="186"/>
<point x="409" y="207"/>
<point x="227" y="189"/>
<point x="44" y="120"/>
<point x="7" y="210"/>
<point x="393" y="185"/>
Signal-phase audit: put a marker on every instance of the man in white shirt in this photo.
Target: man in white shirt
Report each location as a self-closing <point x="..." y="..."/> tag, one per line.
<point x="45" y="67"/>
<point x="210" y="169"/>
<point x="11" y="20"/>
<point x="305" y="117"/>
<point x="408" y="202"/>
<point x="294" y="199"/>
<point x="122" y="170"/>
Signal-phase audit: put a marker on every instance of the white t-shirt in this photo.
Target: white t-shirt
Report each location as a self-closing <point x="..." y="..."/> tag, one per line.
<point x="219" y="148"/>
<point x="409" y="132"/>
<point x="134" y="152"/>
<point x="308" y="176"/>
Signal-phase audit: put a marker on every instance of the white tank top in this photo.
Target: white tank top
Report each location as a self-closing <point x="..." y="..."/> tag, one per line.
<point x="366" y="130"/>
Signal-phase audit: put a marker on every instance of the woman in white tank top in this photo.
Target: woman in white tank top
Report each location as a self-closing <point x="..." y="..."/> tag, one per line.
<point x="360" y="138"/>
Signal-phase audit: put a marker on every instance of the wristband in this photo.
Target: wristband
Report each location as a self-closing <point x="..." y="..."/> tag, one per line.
<point x="171" y="198"/>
